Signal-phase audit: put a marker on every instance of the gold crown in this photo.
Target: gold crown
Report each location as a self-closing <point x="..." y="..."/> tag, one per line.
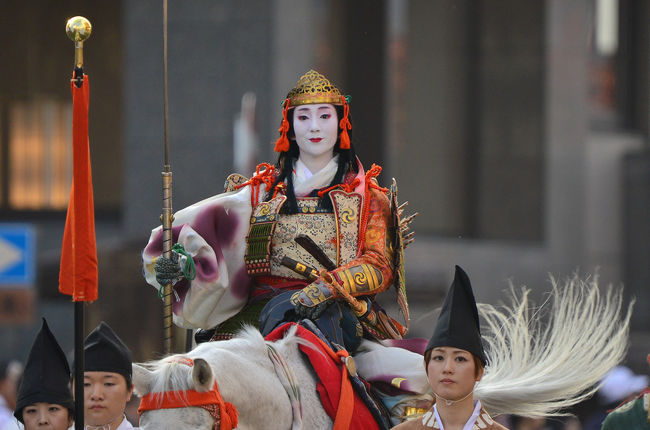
<point x="313" y="88"/>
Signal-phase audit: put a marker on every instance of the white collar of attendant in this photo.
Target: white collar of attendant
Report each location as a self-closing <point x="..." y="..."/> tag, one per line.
<point x="108" y="426"/>
<point x="304" y="181"/>
<point x="432" y="419"/>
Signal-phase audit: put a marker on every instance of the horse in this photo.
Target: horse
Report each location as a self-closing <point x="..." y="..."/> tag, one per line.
<point x="245" y="374"/>
<point x="541" y="360"/>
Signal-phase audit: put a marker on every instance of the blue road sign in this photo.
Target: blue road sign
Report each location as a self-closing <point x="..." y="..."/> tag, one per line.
<point x="17" y="256"/>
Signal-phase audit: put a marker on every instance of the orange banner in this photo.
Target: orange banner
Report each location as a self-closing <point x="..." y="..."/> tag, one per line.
<point x="78" y="273"/>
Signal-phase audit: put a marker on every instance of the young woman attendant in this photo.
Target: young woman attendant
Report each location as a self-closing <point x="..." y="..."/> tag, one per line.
<point x="454" y="360"/>
<point x="107" y="380"/>
<point x="44" y="398"/>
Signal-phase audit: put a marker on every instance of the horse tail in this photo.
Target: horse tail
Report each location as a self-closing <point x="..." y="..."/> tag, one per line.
<point x="544" y="359"/>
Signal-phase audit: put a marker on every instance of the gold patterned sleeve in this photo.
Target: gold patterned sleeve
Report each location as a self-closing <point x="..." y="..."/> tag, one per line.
<point x="372" y="271"/>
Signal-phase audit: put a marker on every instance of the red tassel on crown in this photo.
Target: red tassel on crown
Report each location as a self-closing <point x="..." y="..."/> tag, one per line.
<point x="282" y="144"/>
<point x="345" y="125"/>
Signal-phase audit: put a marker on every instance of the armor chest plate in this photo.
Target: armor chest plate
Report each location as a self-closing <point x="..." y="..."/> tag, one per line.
<point x="271" y="235"/>
<point x="321" y="227"/>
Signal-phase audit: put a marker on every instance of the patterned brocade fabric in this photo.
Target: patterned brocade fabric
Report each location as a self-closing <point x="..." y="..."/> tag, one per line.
<point x="429" y="421"/>
<point x="372" y="271"/>
<point x="337" y="235"/>
<point x="321" y="227"/>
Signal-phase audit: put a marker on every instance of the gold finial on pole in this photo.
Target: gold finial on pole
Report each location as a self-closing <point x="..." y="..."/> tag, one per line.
<point x="78" y="30"/>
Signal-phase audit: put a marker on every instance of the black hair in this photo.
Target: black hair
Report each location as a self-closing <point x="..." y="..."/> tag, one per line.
<point x="346" y="163"/>
<point x="127" y="378"/>
<point x="478" y="364"/>
<point x="4" y="367"/>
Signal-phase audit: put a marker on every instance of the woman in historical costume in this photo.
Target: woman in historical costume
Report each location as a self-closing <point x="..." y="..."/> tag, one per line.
<point x="454" y="361"/>
<point x="44" y="397"/>
<point x="108" y="382"/>
<point x="315" y="226"/>
<point x="537" y="362"/>
<point x="633" y="414"/>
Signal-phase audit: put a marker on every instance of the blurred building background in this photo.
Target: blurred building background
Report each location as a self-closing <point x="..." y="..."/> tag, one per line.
<point x="518" y="130"/>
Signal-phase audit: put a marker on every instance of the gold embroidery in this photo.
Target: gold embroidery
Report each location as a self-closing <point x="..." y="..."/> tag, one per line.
<point x="348" y="215"/>
<point x="321" y="227"/>
<point x="396" y="382"/>
<point x="348" y="281"/>
<point x="347" y="234"/>
<point x="314" y="293"/>
<point x="264" y="209"/>
<point x="372" y="236"/>
<point x="360" y="279"/>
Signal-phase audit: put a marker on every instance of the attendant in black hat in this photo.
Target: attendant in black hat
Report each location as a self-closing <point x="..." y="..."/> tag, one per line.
<point x="107" y="380"/>
<point x="454" y="360"/>
<point x="44" y="397"/>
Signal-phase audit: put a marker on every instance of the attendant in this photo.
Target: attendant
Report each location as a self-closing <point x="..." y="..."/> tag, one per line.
<point x="10" y="371"/>
<point x="634" y="414"/>
<point x="107" y="380"/>
<point x="44" y="397"/>
<point x="454" y="361"/>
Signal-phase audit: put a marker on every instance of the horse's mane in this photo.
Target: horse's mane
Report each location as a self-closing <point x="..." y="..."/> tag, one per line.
<point x="170" y="374"/>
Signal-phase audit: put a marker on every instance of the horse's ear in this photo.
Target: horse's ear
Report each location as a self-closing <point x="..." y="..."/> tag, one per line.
<point x="141" y="379"/>
<point x="202" y="376"/>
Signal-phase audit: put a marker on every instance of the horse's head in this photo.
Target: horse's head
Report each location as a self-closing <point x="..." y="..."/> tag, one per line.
<point x="179" y="392"/>
<point x="245" y="376"/>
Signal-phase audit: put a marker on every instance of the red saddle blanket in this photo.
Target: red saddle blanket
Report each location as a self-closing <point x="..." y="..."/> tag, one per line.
<point x="333" y="382"/>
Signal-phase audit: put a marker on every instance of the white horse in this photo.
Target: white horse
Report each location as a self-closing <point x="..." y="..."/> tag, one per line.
<point x="246" y="377"/>
<point x="541" y="360"/>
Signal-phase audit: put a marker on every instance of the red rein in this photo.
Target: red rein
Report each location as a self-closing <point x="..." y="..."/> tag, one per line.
<point x="223" y="413"/>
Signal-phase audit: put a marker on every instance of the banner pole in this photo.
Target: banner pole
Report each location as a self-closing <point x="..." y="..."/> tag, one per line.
<point x="80" y="365"/>
<point x="167" y="216"/>
<point x="78" y="30"/>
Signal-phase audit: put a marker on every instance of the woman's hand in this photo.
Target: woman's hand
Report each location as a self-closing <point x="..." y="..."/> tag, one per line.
<point x="168" y="270"/>
<point x="311" y="301"/>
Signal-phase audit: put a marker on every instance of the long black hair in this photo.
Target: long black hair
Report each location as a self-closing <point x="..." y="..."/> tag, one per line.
<point x="347" y="162"/>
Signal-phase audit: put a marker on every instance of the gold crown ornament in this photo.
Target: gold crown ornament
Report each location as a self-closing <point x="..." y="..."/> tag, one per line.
<point x="314" y="88"/>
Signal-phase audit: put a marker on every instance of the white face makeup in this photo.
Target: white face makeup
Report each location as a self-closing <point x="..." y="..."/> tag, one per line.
<point x="316" y="130"/>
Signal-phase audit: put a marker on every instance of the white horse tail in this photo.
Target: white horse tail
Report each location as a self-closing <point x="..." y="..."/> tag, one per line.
<point x="544" y="359"/>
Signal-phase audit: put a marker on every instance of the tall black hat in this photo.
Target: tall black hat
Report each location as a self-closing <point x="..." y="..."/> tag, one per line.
<point x="458" y="323"/>
<point x="46" y="377"/>
<point x="105" y="352"/>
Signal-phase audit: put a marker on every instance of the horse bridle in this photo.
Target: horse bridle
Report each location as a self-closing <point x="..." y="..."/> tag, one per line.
<point x="223" y="413"/>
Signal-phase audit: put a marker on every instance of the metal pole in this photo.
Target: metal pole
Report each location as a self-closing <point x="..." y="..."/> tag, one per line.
<point x="78" y="30"/>
<point x="167" y="216"/>
<point x="80" y="365"/>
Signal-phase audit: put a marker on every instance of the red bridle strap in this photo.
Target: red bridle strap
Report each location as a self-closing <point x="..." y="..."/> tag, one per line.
<point x="224" y="413"/>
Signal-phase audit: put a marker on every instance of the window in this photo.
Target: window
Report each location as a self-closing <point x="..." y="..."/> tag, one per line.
<point x="37" y="155"/>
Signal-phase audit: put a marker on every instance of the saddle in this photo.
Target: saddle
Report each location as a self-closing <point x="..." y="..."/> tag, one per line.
<point x="343" y="394"/>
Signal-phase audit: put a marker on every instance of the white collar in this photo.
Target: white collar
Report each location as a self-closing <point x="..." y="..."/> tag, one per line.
<point x="433" y="419"/>
<point x="304" y="181"/>
<point x="124" y="425"/>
